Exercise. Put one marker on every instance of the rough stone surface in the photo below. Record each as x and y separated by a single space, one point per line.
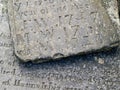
113 9
50 29
118 6
98 71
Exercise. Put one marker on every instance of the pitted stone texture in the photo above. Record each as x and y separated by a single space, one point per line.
50 29
118 3
113 9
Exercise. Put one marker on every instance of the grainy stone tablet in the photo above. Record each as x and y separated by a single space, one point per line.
50 29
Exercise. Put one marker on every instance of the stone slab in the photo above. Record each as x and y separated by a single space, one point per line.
76 73
51 29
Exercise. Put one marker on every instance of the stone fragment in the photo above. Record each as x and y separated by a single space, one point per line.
101 61
51 29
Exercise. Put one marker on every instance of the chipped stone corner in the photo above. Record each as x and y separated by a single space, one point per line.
113 9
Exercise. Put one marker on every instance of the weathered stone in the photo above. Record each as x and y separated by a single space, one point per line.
118 3
50 29
113 9
77 73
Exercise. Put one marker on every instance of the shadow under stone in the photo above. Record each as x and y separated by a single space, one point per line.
77 59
